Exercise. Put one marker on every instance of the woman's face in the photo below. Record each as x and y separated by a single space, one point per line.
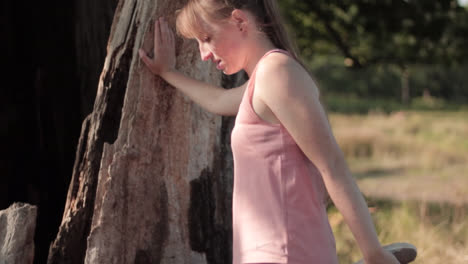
222 44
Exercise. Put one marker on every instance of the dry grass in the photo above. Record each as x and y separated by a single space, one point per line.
440 232
417 162
415 155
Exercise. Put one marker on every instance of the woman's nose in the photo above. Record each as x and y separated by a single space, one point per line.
204 52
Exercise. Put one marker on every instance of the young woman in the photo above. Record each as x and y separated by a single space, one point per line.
286 159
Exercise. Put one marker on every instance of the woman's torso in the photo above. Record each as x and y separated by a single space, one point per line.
279 212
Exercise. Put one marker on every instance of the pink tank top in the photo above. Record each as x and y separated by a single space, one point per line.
279 211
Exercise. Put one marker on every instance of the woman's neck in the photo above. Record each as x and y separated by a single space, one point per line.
255 51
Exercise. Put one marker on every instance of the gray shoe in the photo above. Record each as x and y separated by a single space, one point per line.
404 252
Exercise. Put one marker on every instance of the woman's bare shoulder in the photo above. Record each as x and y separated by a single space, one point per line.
282 74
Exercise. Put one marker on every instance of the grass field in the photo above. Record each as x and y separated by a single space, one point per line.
413 168
439 231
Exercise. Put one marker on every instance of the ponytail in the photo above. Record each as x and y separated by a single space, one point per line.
275 28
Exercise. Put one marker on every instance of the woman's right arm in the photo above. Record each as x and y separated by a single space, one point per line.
213 98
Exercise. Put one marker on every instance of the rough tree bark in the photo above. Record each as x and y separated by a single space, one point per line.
92 22
17 224
151 182
405 86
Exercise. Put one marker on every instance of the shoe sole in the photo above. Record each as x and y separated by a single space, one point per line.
404 252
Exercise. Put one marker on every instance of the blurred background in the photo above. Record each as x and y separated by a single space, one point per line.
394 79
393 76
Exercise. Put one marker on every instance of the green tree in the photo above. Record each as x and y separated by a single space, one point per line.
401 33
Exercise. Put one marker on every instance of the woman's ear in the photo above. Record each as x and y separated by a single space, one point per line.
240 19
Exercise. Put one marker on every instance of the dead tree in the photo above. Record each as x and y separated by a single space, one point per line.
152 176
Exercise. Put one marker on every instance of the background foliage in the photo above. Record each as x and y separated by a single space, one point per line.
393 75
377 48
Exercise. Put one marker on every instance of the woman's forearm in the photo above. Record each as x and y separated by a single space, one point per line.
348 199
204 94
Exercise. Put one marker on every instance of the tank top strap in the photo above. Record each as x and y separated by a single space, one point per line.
251 84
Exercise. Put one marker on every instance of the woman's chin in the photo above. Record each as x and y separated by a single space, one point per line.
228 72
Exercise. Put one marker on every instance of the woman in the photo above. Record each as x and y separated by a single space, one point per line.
286 159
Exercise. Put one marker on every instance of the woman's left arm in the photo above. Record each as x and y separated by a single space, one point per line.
286 88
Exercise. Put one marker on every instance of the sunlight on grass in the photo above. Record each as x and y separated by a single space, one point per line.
439 231
413 166
417 155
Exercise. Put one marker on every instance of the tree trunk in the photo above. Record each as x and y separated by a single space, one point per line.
17 224
151 182
93 20
405 88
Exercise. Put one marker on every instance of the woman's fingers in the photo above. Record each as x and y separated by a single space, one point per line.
147 60
162 34
166 32
171 36
163 28
163 49
167 38
157 34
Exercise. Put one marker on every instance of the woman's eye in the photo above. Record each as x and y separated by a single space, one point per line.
206 39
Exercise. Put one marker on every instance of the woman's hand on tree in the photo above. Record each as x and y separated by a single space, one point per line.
164 58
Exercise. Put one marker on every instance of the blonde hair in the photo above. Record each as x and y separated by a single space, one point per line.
266 12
